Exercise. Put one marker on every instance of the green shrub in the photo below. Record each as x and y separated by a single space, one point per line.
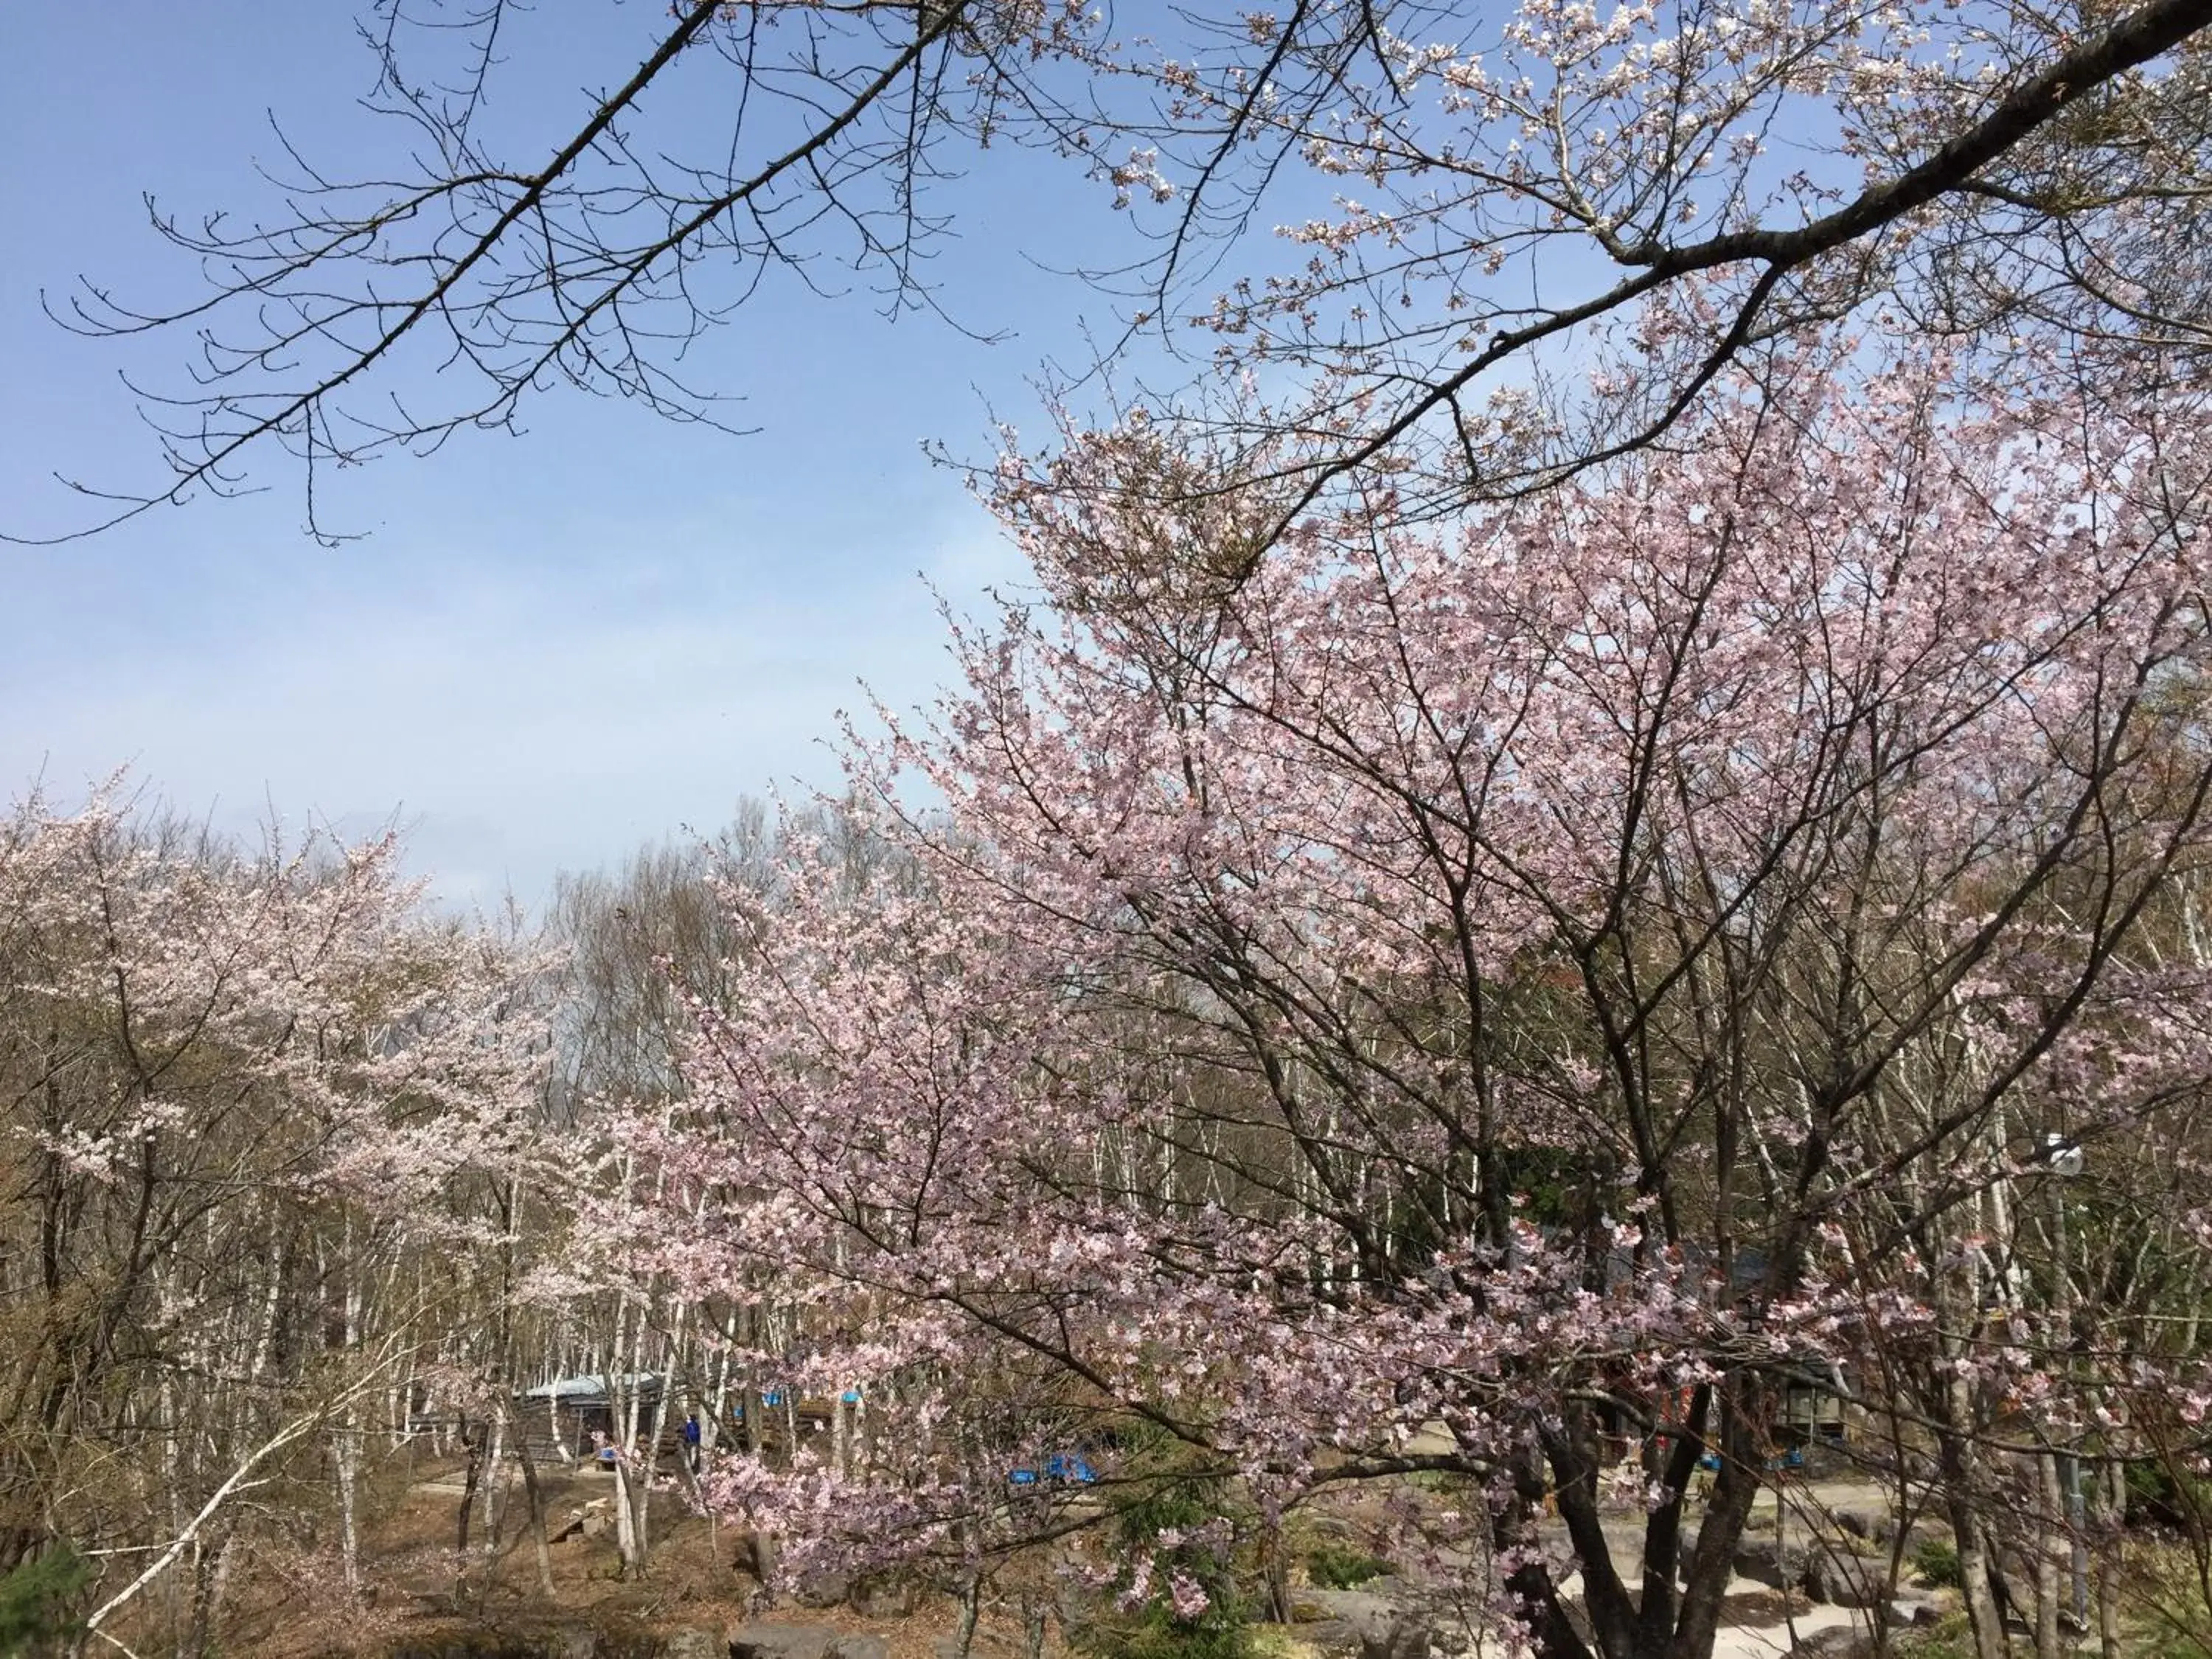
1171 1498
2161 1496
1333 1566
38 1613
1936 1561
1154 1632
1951 1637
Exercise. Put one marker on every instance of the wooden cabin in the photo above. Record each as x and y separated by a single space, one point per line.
573 1417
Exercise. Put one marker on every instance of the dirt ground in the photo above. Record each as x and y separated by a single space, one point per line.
287 1609
281 1607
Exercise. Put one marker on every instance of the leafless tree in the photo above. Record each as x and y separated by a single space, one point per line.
1478 207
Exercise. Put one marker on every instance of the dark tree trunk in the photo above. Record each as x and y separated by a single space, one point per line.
472 1440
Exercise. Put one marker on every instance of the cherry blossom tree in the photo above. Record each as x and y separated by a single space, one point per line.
252 1099
642 948
1559 979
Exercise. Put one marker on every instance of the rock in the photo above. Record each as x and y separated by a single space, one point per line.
1365 1608
823 1590
1874 1526
572 1527
1373 1621
695 1642
1403 1638
1332 1636
771 1641
1908 1611
983 1646
859 1647
1842 1581
884 1597
1836 1642
626 1641
1765 1562
560 1642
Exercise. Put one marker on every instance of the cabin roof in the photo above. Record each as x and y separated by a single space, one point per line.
593 1389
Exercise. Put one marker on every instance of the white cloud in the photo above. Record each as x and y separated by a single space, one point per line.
521 717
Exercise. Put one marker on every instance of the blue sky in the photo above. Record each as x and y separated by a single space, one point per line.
548 649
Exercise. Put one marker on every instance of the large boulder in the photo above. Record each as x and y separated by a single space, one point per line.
1909 1611
1874 1526
823 1590
1845 1581
1406 1637
859 1647
1380 1617
1844 1641
695 1642
765 1640
885 1596
1337 1639
555 1642
1765 1562
1365 1607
